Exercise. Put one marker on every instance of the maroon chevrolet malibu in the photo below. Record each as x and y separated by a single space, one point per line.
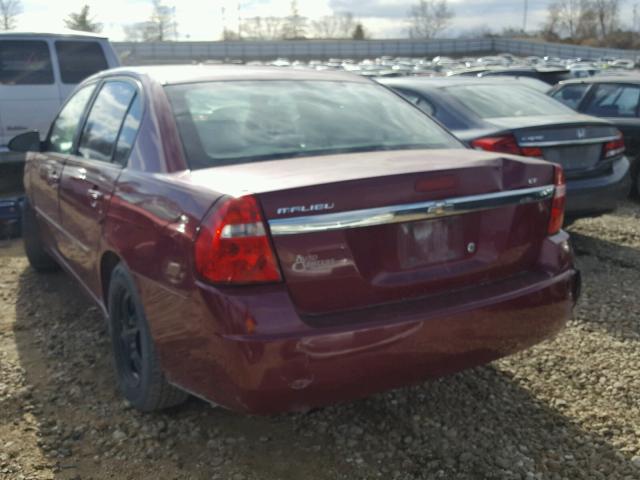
274 240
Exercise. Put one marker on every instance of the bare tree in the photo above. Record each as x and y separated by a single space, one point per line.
570 15
295 26
82 21
607 15
583 19
163 20
339 25
428 18
550 29
262 28
160 27
9 11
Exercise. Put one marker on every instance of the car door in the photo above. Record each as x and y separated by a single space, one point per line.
48 165
29 96
620 104
91 172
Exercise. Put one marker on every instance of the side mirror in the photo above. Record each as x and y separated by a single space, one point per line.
26 142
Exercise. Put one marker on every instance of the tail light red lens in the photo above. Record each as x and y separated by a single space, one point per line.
614 148
558 203
233 247
532 152
506 144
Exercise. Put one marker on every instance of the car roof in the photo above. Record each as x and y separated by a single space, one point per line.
629 78
181 74
52 34
440 82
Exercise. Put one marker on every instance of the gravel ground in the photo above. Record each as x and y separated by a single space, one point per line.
567 409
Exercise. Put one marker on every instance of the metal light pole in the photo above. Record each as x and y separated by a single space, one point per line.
526 13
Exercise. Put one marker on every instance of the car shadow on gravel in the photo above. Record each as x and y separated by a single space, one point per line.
479 424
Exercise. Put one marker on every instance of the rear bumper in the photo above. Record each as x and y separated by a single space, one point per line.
291 365
595 196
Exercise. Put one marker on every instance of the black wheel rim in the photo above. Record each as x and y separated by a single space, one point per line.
127 340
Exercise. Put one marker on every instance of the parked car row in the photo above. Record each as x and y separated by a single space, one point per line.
548 69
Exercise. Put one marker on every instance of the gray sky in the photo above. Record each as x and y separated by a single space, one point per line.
203 19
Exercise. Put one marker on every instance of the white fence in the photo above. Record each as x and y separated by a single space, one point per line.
189 52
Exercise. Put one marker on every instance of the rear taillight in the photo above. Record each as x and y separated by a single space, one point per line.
233 247
614 148
505 144
558 203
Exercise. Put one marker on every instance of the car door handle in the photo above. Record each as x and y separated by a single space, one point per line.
51 175
79 174
95 196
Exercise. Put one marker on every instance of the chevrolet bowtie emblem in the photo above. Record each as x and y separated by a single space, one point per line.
440 208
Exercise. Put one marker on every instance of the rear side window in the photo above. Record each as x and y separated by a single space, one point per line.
79 60
66 124
571 95
103 123
612 100
25 62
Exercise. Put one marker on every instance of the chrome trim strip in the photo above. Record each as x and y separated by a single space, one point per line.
563 143
407 213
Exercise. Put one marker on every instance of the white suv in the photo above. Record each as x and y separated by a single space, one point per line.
39 70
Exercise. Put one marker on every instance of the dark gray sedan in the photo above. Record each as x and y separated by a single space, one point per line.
504 116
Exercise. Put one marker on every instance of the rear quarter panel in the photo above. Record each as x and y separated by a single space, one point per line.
150 226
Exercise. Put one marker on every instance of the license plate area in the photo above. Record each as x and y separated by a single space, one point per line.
574 157
432 242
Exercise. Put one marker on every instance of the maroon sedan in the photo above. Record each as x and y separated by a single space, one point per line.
277 240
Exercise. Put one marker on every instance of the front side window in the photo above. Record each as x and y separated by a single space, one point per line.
66 124
572 95
495 101
101 129
25 62
225 123
79 60
612 100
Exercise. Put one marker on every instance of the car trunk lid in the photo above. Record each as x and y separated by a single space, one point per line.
364 229
575 143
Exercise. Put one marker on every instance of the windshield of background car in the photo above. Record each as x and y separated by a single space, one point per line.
503 100
224 123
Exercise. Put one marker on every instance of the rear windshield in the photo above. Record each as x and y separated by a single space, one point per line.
224 123
503 100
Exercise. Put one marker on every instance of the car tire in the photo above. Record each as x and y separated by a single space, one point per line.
139 375
39 259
